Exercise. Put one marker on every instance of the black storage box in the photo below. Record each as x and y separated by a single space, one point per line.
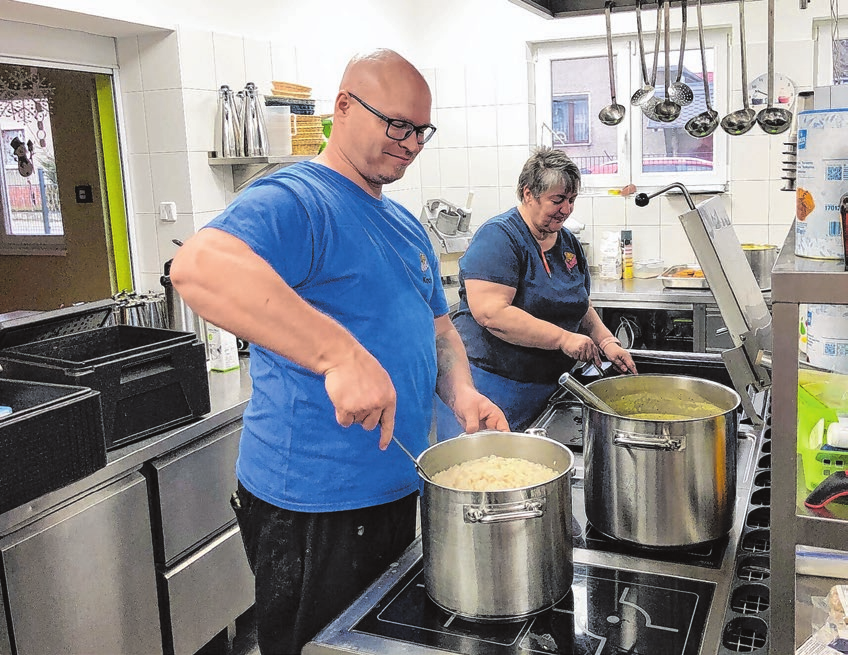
150 379
53 437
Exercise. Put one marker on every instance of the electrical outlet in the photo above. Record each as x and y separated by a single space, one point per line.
168 212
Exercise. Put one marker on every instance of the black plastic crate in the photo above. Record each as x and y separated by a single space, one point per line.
150 379
53 437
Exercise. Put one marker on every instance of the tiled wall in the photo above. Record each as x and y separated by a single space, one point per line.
483 111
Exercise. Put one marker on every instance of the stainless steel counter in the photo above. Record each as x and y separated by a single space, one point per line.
229 393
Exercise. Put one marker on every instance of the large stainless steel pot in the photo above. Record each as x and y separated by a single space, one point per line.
661 483
761 258
497 555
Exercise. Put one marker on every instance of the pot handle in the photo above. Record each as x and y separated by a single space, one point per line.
648 441
528 509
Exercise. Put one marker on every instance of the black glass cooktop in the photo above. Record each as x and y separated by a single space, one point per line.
607 612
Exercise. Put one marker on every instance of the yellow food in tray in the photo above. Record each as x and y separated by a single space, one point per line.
688 272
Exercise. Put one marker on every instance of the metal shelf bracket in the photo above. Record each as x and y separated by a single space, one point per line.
247 169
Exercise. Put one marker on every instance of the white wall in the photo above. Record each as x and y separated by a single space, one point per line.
475 55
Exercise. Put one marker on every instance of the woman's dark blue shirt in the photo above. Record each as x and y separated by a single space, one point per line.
505 252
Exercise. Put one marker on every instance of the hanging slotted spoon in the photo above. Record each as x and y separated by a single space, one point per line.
773 120
648 89
741 120
679 91
613 113
667 110
705 123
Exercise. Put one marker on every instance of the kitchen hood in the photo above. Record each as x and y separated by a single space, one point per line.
565 8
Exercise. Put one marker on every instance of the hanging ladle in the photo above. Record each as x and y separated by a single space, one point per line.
773 120
584 395
705 123
613 113
741 120
679 91
667 110
648 89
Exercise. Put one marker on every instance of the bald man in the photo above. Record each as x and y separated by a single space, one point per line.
338 291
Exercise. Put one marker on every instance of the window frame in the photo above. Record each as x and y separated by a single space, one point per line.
628 76
823 45
587 97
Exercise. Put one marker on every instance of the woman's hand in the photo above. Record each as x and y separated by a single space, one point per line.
580 347
620 357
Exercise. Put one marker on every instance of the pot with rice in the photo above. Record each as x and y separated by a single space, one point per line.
496 524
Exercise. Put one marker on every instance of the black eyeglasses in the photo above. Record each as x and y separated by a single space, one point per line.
397 129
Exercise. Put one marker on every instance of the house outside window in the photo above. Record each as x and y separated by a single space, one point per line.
639 150
571 118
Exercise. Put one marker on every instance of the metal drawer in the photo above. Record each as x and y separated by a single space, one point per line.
716 342
191 492
206 592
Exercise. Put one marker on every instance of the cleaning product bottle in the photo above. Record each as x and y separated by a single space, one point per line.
627 254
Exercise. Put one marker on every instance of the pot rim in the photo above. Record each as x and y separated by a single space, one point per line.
482 434
602 381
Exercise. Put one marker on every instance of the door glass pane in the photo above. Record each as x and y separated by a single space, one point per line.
579 89
668 147
30 193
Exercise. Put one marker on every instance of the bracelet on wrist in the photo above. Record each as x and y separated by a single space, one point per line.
605 342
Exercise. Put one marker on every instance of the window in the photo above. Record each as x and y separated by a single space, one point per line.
831 39
641 150
29 191
571 118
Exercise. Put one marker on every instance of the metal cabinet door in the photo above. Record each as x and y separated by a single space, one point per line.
83 580
192 488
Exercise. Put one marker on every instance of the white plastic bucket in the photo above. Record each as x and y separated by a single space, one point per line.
827 337
822 183
281 128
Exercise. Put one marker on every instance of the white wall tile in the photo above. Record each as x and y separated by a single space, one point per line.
141 184
487 203
202 219
750 156
507 197
146 244
513 125
197 56
428 163
481 84
511 160
646 242
452 127
160 61
283 62
201 108
794 59
453 164
482 126
207 184
643 216
171 181
429 75
148 281
135 122
129 63
512 86
450 86
608 211
258 64
166 121
671 208
676 248
454 195
483 167
749 202
777 233
781 205
181 230
584 211
229 61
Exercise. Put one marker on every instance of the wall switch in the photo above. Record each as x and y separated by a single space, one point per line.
168 212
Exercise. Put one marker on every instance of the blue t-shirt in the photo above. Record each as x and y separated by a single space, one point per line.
504 251
369 265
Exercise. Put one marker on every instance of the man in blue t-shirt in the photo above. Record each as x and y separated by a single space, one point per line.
337 289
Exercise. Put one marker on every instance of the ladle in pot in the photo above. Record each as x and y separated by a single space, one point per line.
585 396
773 120
741 120
648 89
418 468
679 91
613 113
705 123
667 110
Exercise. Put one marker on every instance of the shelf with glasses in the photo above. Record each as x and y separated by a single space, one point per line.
247 169
795 281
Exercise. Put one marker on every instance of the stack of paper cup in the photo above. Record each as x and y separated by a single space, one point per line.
281 127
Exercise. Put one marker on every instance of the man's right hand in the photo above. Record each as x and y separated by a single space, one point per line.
362 392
